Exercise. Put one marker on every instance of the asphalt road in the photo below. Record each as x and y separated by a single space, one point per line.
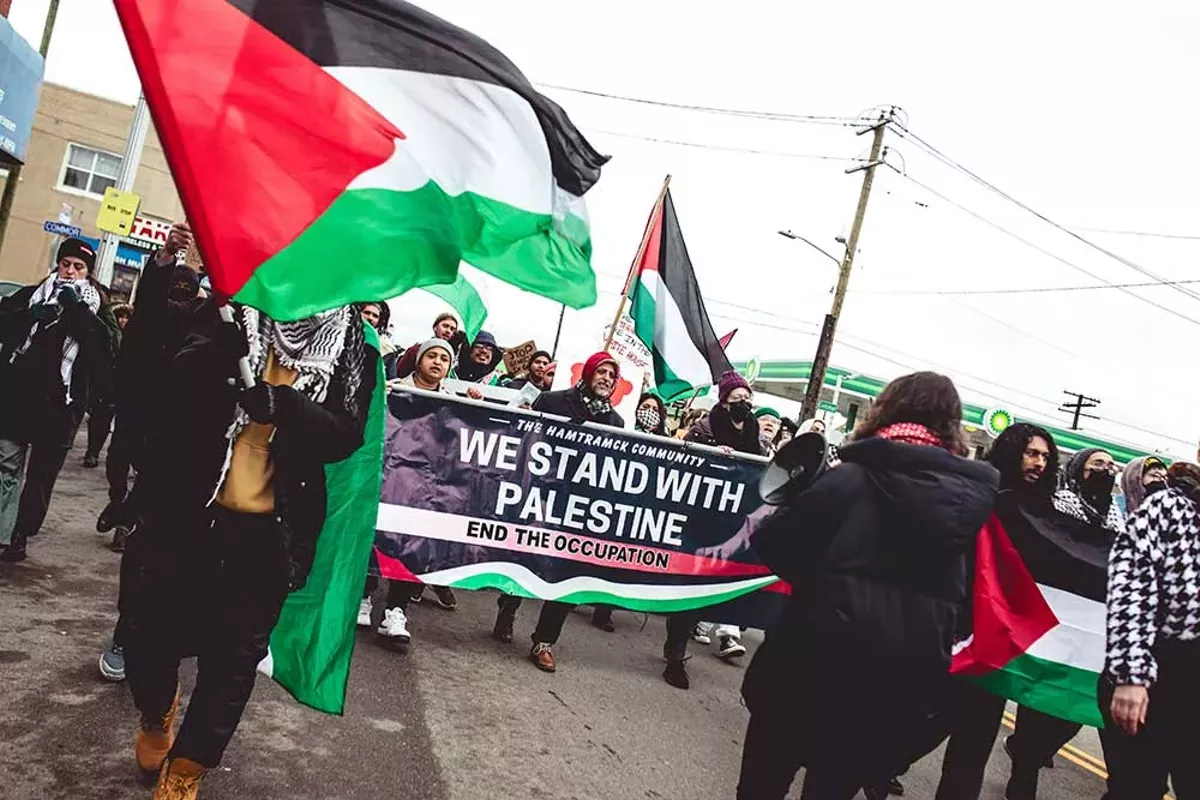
456 717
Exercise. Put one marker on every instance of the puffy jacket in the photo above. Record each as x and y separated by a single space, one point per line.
877 553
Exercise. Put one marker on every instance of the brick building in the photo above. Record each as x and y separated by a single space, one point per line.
74 154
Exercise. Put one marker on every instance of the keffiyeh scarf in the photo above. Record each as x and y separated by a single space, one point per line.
47 294
910 433
594 404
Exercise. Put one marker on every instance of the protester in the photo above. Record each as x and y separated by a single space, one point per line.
378 315
690 418
534 373
1086 497
730 426
115 317
477 363
445 327
434 358
649 417
52 347
232 505
853 679
1149 692
787 432
811 426
1141 478
590 400
1026 457
769 421
1086 494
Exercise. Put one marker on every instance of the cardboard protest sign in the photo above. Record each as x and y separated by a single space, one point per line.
516 359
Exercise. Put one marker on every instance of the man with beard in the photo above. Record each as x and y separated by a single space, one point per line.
1026 457
232 504
445 327
52 348
590 400
535 373
477 363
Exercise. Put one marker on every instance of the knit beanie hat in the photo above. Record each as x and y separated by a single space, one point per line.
77 248
593 363
430 344
730 381
766 411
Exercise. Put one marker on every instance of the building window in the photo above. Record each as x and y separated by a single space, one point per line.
89 171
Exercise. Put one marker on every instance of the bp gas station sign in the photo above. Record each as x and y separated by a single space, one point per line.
996 421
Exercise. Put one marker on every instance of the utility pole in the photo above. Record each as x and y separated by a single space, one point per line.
816 378
1080 403
130 161
14 174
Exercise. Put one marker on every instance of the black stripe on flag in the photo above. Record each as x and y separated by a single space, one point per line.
392 34
1058 551
676 273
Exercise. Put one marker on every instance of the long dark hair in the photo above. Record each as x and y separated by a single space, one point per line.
1008 452
924 398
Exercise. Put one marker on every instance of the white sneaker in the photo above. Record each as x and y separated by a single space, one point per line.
731 648
364 613
701 631
395 625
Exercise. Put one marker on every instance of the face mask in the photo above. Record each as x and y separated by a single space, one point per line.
1098 484
647 419
741 411
1155 486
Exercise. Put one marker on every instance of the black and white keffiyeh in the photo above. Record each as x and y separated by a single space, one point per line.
311 347
47 295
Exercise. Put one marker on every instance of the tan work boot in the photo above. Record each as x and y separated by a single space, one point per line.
179 780
154 739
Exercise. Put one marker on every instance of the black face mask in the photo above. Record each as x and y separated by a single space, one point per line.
1155 486
1098 485
741 411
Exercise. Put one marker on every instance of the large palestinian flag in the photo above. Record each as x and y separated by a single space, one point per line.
668 310
328 152
1038 615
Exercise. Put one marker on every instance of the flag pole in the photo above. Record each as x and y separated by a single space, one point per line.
637 259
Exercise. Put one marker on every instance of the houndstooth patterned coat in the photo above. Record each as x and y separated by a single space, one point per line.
1153 585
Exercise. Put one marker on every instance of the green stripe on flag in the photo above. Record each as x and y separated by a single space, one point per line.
1051 687
314 638
416 239
463 298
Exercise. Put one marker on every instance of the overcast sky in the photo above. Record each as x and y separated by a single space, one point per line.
1088 115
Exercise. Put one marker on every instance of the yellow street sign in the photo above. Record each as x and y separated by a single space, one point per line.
117 211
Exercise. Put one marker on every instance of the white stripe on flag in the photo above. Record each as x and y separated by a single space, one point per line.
671 338
463 135
1078 638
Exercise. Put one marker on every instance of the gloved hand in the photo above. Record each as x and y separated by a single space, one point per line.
44 312
259 402
68 295
230 341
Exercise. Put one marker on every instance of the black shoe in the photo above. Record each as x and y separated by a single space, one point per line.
120 536
13 554
1022 785
444 598
895 787
109 518
602 619
90 461
676 674
503 630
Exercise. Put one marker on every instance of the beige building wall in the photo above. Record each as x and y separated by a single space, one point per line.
65 116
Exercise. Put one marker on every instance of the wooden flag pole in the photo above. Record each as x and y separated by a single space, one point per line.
637 260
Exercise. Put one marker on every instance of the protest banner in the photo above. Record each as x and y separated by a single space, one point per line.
475 496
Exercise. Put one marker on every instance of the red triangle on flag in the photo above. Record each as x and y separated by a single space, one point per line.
1009 611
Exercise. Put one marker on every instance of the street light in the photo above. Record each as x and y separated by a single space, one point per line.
822 251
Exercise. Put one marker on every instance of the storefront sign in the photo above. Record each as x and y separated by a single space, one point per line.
21 69
148 232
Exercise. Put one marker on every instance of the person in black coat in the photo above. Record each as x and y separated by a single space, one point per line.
851 683
53 348
590 400
232 501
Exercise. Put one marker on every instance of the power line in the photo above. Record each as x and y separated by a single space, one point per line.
1151 234
1043 250
905 133
778 116
1026 290
725 148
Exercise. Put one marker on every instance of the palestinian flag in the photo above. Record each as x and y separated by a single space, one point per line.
1038 613
464 298
668 309
329 152
310 648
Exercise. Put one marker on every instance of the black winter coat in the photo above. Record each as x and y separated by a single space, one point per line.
33 399
877 553
185 459
716 430
567 403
